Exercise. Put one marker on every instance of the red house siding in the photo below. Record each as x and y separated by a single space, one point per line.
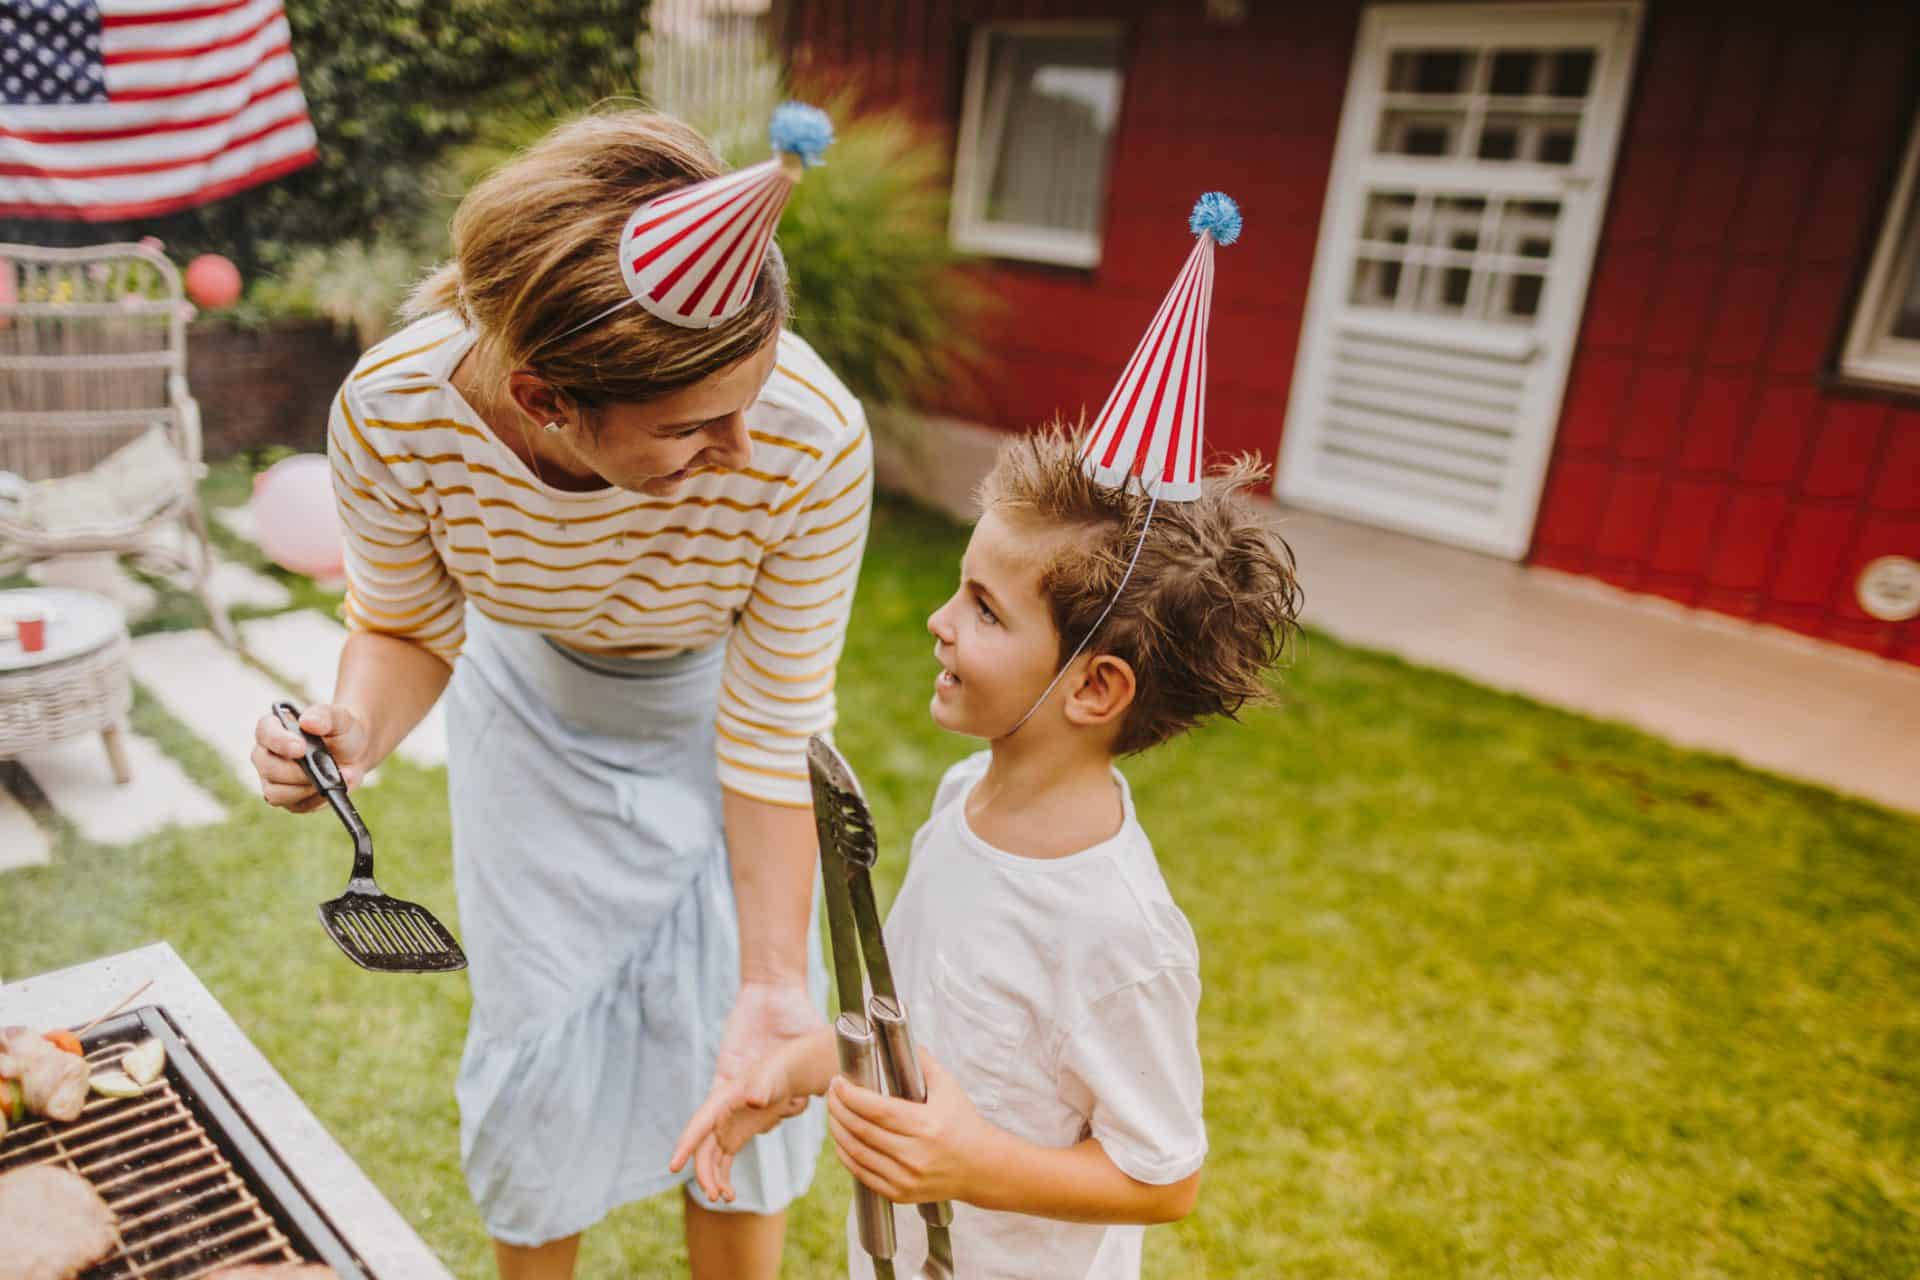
1700 455
1268 141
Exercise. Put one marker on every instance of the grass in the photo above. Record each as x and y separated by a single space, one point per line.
1491 990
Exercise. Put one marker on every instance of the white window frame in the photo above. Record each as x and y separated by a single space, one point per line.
967 228
1872 353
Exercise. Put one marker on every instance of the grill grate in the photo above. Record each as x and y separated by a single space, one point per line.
183 1208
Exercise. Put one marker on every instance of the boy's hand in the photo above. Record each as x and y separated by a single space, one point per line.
909 1152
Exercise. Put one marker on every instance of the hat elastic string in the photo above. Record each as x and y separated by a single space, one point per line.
1153 501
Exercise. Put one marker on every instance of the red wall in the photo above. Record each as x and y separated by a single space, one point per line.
1267 141
1699 456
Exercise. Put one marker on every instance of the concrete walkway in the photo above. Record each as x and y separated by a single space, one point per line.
304 647
215 693
1769 698
191 673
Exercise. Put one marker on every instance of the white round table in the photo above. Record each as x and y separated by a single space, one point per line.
77 683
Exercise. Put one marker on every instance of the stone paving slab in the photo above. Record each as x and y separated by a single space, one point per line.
237 584
101 573
233 583
75 777
304 646
22 842
238 521
210 689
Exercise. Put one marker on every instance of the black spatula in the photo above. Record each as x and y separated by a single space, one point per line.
389 935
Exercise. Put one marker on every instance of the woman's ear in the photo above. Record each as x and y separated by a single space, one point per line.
1102 693
538 399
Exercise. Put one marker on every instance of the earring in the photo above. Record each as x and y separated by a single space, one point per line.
555 427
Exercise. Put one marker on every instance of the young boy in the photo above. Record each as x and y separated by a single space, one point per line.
1051 980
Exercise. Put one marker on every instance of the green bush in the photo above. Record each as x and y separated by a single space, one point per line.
359 283
415 101
877 286
878 289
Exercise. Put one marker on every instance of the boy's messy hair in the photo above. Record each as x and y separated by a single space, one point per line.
1212 602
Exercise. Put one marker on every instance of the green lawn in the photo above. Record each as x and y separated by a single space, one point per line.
1491 990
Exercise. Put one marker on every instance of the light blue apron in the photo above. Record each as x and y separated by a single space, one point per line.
598 918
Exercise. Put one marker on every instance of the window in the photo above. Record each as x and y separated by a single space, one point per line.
1516 106
1471 257
1883 345
1036 133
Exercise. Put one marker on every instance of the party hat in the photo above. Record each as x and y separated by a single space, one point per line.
1152 429
691 256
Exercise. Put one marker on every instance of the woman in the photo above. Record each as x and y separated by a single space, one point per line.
638 527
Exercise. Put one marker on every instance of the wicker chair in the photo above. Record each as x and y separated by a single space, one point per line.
93 357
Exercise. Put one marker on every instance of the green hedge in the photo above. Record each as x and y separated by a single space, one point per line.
391 85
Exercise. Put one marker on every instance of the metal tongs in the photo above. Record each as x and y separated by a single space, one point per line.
875 1044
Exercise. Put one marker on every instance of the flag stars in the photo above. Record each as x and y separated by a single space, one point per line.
52 47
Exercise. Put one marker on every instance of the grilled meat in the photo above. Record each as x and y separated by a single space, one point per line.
53 1080
53 1222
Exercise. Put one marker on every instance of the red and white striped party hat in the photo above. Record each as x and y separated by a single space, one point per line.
691 256
1152 430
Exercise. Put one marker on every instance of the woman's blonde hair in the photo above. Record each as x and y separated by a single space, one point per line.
535 247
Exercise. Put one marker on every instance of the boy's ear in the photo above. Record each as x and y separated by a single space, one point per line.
1102 693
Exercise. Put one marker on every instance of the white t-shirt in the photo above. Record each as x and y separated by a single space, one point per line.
1062 994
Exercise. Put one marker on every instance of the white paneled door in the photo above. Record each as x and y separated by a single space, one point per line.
1474 155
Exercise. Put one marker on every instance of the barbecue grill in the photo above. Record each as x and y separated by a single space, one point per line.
240 1079
193 1188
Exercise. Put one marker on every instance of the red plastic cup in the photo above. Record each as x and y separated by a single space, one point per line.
33 632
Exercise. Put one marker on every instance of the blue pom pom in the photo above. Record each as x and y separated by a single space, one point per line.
802 130
1215 214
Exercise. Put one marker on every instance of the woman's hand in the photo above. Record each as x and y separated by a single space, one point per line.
277 751
727 1121
754 1080
912 1152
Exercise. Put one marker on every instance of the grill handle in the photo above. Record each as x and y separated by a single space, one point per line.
872 1212
325 773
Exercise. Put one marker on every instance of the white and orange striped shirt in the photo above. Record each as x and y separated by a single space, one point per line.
438 514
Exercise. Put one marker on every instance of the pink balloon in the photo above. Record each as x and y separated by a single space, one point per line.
294 518
212 281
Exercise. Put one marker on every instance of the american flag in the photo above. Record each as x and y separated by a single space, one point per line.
119 109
